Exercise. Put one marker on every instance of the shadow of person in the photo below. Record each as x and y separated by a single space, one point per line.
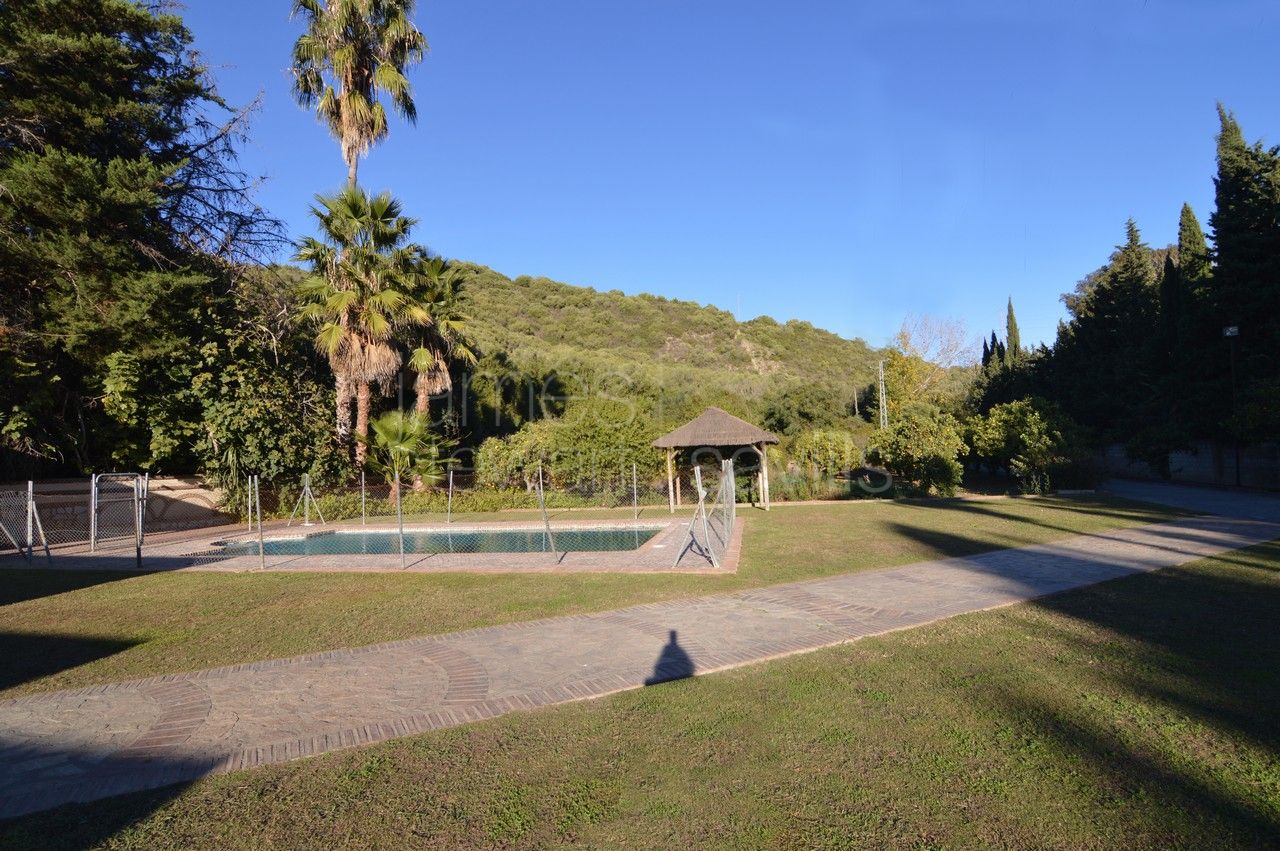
673 663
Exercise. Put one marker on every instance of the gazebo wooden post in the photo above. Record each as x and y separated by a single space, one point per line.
764 474
671 481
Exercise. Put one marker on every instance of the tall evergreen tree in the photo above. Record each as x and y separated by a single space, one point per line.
1172 304
1193 252
1012 338
120 197
1103 359
1245 285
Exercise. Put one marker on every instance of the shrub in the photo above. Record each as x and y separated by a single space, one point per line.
920 449
1034 441
597 438
826 450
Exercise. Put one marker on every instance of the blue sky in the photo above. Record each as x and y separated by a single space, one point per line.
842 163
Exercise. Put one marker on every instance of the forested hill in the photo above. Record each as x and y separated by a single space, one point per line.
655 340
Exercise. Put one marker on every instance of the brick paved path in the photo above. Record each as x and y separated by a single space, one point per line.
89 743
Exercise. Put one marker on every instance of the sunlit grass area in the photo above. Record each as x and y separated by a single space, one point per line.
61 630
1141 713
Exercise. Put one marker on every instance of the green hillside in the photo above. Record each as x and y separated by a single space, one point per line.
681 352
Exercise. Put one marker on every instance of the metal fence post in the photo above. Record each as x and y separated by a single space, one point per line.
306 503
257 498
635 493
137 521
448 510
146 496
248 496
31 513
400 518
364 517
548 540
93 512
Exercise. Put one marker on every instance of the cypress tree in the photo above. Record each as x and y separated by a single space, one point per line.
1193 251
986 353
1173 304
1244 289
1013 339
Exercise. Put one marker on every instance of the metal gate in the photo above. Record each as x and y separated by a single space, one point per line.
117 510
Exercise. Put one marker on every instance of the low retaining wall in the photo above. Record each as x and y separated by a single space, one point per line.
1207 463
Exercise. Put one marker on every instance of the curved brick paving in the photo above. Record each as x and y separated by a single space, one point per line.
93 742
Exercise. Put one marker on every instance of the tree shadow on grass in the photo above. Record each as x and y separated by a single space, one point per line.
1125 510
18 584
28 656
1195 642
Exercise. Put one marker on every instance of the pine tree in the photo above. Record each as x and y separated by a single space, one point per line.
1013 339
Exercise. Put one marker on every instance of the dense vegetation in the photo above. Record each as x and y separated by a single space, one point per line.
141 326
1145 358
140 331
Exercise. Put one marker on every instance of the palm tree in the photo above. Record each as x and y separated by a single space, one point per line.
352 52
438 293
403 447
359 296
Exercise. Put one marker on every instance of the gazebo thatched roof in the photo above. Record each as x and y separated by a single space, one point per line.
714 427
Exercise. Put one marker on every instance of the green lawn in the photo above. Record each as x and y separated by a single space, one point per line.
1141 713
62 630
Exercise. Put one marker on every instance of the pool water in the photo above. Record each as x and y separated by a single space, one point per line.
449 541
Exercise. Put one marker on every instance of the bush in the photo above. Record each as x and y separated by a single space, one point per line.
597 438
1034 441
920 449
826 451
793 409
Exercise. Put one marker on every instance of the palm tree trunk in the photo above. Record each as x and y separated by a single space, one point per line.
343 419
363 399
421 394
352 164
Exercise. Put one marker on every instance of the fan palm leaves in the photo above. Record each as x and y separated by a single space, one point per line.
404 447
351 54
443 337
359 295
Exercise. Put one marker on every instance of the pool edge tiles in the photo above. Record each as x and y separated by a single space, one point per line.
523 539
202 552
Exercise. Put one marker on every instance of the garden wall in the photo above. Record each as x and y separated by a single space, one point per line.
1208 463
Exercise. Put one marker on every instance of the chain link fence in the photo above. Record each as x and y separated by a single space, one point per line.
611 512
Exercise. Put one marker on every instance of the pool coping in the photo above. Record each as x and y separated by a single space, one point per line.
200 553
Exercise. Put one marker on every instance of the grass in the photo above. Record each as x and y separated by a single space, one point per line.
64 630
1140 713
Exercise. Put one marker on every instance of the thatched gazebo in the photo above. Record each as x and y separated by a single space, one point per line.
718 430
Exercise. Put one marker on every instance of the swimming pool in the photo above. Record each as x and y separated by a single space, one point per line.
450 541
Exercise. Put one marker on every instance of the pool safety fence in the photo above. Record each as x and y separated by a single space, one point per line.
710 528
124 514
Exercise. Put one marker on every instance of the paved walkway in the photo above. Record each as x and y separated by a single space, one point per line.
1202 500
90 743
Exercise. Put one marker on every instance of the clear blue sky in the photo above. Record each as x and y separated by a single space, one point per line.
843 163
